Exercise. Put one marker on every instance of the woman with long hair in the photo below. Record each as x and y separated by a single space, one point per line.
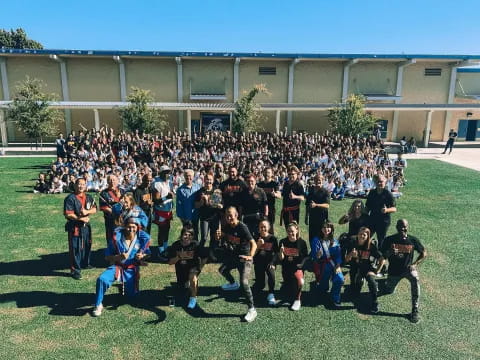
363 257
293 253
327 261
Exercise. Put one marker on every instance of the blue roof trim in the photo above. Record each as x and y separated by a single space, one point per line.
233 54
472 70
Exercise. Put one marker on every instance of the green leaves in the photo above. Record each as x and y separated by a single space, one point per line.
139 116
246 115
17 39
351 119
30 110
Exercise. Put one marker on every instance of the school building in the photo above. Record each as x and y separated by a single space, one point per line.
423 96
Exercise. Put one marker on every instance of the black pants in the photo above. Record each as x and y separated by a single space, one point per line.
449 144
314 226
289 216
109 228
356 282
379 228
244 269
252 224
79 248
262 268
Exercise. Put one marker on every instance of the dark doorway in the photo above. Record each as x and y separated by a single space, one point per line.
471 130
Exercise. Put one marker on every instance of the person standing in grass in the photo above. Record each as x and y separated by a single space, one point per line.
293 254
327 262
399 250
108 199
240 248
126 251
77 210
265 259
292 193
270 186
185 255
316 207
364 257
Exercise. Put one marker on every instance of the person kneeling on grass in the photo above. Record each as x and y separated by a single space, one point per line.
126 251
363 255
399 250
185 255
327 261
293 254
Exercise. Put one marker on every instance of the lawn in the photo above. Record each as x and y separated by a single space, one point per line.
44 313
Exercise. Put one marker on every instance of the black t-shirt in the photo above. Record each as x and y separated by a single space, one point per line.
232 192
400 252
266 252
375 203
269 188
366 259
254 202
320 196
295 252
206 211
142 196
296 188
237 239
354 225
189 255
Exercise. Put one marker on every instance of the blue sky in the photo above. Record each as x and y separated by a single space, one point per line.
337 26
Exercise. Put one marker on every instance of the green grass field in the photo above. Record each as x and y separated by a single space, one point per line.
44 313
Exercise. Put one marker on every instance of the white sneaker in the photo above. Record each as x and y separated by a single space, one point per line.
230 287
192 303
271 299
97 311
250 315
296 305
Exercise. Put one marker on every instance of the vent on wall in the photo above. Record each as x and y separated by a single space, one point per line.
267 70
433 72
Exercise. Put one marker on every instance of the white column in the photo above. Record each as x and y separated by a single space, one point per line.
428 126
3 129
96 119
236 72
277 122
398 92
178 60
291 78
6 96
346 74
451 97
65 92
189 122
122 77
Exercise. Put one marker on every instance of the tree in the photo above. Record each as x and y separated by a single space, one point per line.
31 111
351 119
246 115
17 39
139 116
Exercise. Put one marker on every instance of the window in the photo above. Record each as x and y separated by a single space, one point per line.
267 70
433 72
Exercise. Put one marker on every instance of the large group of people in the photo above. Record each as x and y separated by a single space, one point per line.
230 218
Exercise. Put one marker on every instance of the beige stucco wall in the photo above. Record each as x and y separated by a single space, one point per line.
419 89
41 68
277 84
311 121
158 76
317 82
93 79
1 89
208 76
373 78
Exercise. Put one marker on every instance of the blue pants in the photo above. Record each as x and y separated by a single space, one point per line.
337 282
107 278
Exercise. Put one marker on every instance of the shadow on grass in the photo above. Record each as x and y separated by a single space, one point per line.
48 265
80 304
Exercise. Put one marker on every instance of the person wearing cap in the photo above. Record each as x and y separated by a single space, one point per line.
399 250
77 210
162 207
125 252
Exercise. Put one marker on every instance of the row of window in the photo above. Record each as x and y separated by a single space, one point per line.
272 70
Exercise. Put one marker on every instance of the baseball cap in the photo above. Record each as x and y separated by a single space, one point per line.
164 168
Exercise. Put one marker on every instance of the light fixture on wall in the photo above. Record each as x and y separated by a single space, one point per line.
469 115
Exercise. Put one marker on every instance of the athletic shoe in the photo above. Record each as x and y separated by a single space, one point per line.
192 303
414 318
230 287
337 303
97 311
271 299
77 276
250 315
297 304
374 308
